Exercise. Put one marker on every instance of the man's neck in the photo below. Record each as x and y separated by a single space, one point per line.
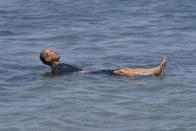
55 63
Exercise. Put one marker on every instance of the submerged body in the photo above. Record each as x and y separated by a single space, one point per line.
63 68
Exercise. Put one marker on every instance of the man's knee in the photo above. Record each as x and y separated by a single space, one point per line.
119 71
122 71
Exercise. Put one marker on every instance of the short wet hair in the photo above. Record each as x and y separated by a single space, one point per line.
43 56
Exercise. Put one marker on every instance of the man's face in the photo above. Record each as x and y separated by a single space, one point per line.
51 55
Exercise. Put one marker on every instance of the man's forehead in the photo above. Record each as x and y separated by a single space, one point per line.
46 50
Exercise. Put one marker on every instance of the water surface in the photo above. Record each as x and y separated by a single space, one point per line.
98 34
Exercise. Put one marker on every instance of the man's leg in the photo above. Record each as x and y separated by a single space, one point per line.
142 72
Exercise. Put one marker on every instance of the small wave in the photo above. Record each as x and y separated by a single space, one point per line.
6 33
5 11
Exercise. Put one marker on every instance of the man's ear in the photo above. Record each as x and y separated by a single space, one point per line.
47 59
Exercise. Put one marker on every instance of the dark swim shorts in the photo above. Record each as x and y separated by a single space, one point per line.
110 72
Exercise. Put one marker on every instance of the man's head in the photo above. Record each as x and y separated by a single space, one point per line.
49 56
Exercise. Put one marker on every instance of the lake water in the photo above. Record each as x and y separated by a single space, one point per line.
93 35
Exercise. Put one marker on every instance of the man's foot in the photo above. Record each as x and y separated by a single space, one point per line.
160 69
163 63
